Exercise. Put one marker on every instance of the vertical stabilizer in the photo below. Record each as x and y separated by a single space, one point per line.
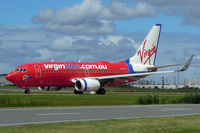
146 54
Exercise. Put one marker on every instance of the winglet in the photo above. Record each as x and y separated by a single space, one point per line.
185 67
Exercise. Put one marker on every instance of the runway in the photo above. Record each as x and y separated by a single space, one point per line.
23 116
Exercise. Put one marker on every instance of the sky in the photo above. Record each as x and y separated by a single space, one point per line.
93 30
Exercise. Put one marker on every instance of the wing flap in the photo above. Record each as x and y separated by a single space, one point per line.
135 75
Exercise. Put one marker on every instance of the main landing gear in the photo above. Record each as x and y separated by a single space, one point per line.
78 92
101 91
27 91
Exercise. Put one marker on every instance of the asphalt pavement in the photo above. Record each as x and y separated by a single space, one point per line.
23 116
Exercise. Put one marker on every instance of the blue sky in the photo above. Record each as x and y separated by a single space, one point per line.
35 30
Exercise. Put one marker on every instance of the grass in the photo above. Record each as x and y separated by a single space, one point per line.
180 124
65 98
69 99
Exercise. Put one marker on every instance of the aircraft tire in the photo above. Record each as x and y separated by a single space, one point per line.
59 88
27 91
101 91
78 92
48 88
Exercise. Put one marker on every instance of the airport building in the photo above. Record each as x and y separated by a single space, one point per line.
163 84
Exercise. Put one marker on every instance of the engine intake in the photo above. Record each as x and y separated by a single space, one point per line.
87 84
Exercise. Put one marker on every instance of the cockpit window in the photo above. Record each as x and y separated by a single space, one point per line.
21 70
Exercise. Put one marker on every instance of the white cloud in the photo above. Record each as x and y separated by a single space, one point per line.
63 43
90 16
111 39
188 9
115 39
85 38
45 55
197 57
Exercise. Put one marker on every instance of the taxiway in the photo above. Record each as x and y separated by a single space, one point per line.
23 116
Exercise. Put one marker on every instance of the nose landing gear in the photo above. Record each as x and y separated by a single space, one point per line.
27 91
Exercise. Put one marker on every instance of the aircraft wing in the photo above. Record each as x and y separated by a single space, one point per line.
3 74
144 74
136 76
133 76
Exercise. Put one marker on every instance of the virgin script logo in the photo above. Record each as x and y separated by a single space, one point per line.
145 55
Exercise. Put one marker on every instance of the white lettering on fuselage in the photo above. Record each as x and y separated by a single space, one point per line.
94 67
73 66
55 66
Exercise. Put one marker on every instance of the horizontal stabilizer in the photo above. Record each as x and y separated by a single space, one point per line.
163 66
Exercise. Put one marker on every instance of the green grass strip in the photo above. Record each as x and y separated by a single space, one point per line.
181 124
70 99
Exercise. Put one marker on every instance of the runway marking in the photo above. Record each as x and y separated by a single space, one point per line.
175 109
45 122
60 114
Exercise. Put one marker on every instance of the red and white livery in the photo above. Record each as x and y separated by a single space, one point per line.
93 76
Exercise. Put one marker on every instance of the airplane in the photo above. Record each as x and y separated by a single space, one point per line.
84 76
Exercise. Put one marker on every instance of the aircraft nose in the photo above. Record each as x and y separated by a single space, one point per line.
10 77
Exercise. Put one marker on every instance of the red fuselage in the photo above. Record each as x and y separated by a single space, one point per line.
61 74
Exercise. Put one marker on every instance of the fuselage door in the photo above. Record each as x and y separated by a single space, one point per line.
86 72
37 71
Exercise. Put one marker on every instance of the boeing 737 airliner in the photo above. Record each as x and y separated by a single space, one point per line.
94 76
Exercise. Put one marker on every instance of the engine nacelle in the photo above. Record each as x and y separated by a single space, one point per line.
87 84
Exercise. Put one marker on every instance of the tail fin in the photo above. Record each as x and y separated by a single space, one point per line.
146 54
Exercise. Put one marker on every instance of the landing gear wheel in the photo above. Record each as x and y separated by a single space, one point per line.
78 92
27 91
48 88
101 91
58 89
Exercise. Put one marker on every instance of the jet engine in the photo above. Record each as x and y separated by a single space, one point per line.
86 84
